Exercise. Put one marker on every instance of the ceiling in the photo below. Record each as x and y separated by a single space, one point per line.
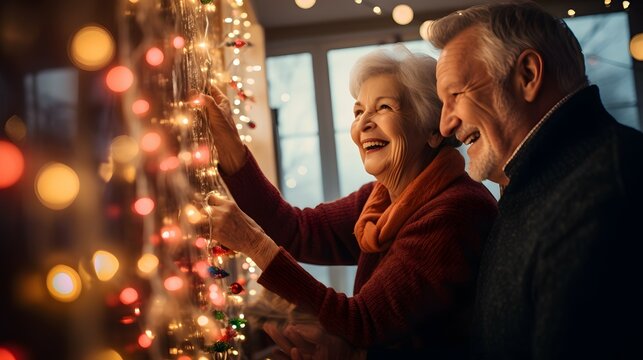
285 13
284 20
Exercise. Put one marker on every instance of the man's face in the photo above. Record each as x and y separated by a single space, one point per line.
473 109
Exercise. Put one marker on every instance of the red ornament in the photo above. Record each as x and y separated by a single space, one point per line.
238 43
219 250
236 288
251 124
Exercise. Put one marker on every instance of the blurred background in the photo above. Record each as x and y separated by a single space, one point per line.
53 110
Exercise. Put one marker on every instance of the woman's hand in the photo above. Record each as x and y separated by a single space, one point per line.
235 230
309 341
231 151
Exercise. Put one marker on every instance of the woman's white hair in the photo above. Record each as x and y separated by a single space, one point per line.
415 73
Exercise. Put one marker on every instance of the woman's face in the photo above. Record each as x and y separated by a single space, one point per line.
391 146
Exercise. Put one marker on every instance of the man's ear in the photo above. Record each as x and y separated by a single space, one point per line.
529 74
435 139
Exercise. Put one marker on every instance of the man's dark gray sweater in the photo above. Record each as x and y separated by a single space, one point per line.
562 271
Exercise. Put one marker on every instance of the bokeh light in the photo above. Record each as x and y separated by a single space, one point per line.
140 107
56 185
144 206
124 149
636 46
148 263
119 79
13 164
151 141
173 283
6 354
402 14
105 264
107 354
305 4
92 47
128 296
424 29
169 163
171 233
144 341
202 320
192 213
178 42
15 128
63 283
154 56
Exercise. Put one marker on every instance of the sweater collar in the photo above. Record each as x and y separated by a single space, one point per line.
381 220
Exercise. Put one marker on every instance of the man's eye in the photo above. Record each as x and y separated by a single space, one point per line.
358 112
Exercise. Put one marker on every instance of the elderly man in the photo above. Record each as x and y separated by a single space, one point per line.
561 274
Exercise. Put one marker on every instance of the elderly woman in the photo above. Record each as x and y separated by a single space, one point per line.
415 233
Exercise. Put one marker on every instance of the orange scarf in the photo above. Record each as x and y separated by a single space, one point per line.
380 220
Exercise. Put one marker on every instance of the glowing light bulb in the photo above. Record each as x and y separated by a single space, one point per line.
105 264
193 215
626 4
402 14
202 320
148 263
305 4
377 10
57 186
140 107
178 42
636 46
154 56
13 164
171 233
144 341
128 296
424 29
124 149
5 354
151 141
571 12
169 163
200 242
15 128
63 283
144 206
107 354
173 283
119 79
91 48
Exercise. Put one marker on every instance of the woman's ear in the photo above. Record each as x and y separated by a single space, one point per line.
435 139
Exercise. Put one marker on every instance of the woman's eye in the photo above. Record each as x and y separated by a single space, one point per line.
358 112
385 107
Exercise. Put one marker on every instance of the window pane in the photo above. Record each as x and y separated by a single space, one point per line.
605 42
301 171
292 93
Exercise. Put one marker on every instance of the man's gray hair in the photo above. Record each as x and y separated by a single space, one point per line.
507 29
415 73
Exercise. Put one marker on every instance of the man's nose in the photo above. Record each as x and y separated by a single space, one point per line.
449 122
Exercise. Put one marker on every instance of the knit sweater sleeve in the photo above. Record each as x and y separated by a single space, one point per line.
416 282
320 235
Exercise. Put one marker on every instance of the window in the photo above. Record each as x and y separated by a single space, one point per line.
605 41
